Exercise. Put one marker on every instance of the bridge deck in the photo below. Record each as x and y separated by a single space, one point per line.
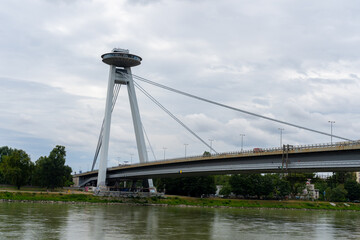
319 157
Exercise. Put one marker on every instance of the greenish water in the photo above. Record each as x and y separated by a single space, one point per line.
65 221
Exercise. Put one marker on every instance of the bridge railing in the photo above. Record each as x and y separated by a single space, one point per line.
264 150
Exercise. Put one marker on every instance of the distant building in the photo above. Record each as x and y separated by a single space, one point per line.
310 192
357 174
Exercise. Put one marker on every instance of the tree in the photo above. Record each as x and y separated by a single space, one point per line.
340 178
282 187
258 185
221 179
4 151
68 180
206 154
239 184
337 194
322 186
247 185
353 190
298 182
187 186
51 171
225 190
267 186
16 168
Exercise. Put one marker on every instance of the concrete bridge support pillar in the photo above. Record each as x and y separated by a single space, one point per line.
106 134
123 61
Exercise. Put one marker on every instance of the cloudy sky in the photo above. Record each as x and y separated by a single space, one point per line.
297 61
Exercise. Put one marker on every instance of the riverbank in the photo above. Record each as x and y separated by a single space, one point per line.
81 198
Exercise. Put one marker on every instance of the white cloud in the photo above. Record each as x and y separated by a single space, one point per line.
294 61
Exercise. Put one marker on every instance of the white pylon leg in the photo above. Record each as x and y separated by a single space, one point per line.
106 134
140 140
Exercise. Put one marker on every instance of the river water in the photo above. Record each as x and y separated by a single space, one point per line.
66 221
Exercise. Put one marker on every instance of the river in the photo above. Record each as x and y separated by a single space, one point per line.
67 221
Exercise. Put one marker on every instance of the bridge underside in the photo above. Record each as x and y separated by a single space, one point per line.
321 161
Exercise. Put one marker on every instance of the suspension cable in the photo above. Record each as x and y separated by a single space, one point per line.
235 109
147 138
171 115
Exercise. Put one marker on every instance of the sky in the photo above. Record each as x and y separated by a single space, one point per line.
296 61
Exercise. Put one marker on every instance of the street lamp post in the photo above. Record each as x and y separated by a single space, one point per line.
331 127
164 151
281 130
211 140
131 155
185 144
242 141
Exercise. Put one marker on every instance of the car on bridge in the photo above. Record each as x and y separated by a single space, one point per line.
257 150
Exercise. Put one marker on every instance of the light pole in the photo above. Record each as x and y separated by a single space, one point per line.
281 130
131 155
242 140
164 151
185 144
211 140
331 127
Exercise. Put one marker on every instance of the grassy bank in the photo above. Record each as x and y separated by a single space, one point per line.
242 203
54 196
23 188
175 201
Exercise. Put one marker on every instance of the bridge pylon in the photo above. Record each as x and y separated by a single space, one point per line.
121 61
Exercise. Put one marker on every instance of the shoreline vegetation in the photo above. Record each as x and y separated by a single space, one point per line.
71 197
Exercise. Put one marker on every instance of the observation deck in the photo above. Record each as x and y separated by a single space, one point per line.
121 59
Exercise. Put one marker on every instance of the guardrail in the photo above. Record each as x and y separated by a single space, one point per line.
265 150
259 150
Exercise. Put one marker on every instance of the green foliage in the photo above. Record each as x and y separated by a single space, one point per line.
277 186
341 186
51 171
353 190
16 168
187 186
282 187
4 151
337 194
340 178
177 201
260 186
267 184
298 182
239 184
225 190
221 179
206 154
321 185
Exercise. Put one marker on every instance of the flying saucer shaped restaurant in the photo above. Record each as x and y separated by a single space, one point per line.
121 59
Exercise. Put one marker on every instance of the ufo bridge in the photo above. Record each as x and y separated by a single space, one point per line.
340 156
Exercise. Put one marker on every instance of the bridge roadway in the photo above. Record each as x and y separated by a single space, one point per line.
343 156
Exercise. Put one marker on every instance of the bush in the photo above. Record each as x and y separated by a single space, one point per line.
337 194
353 190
